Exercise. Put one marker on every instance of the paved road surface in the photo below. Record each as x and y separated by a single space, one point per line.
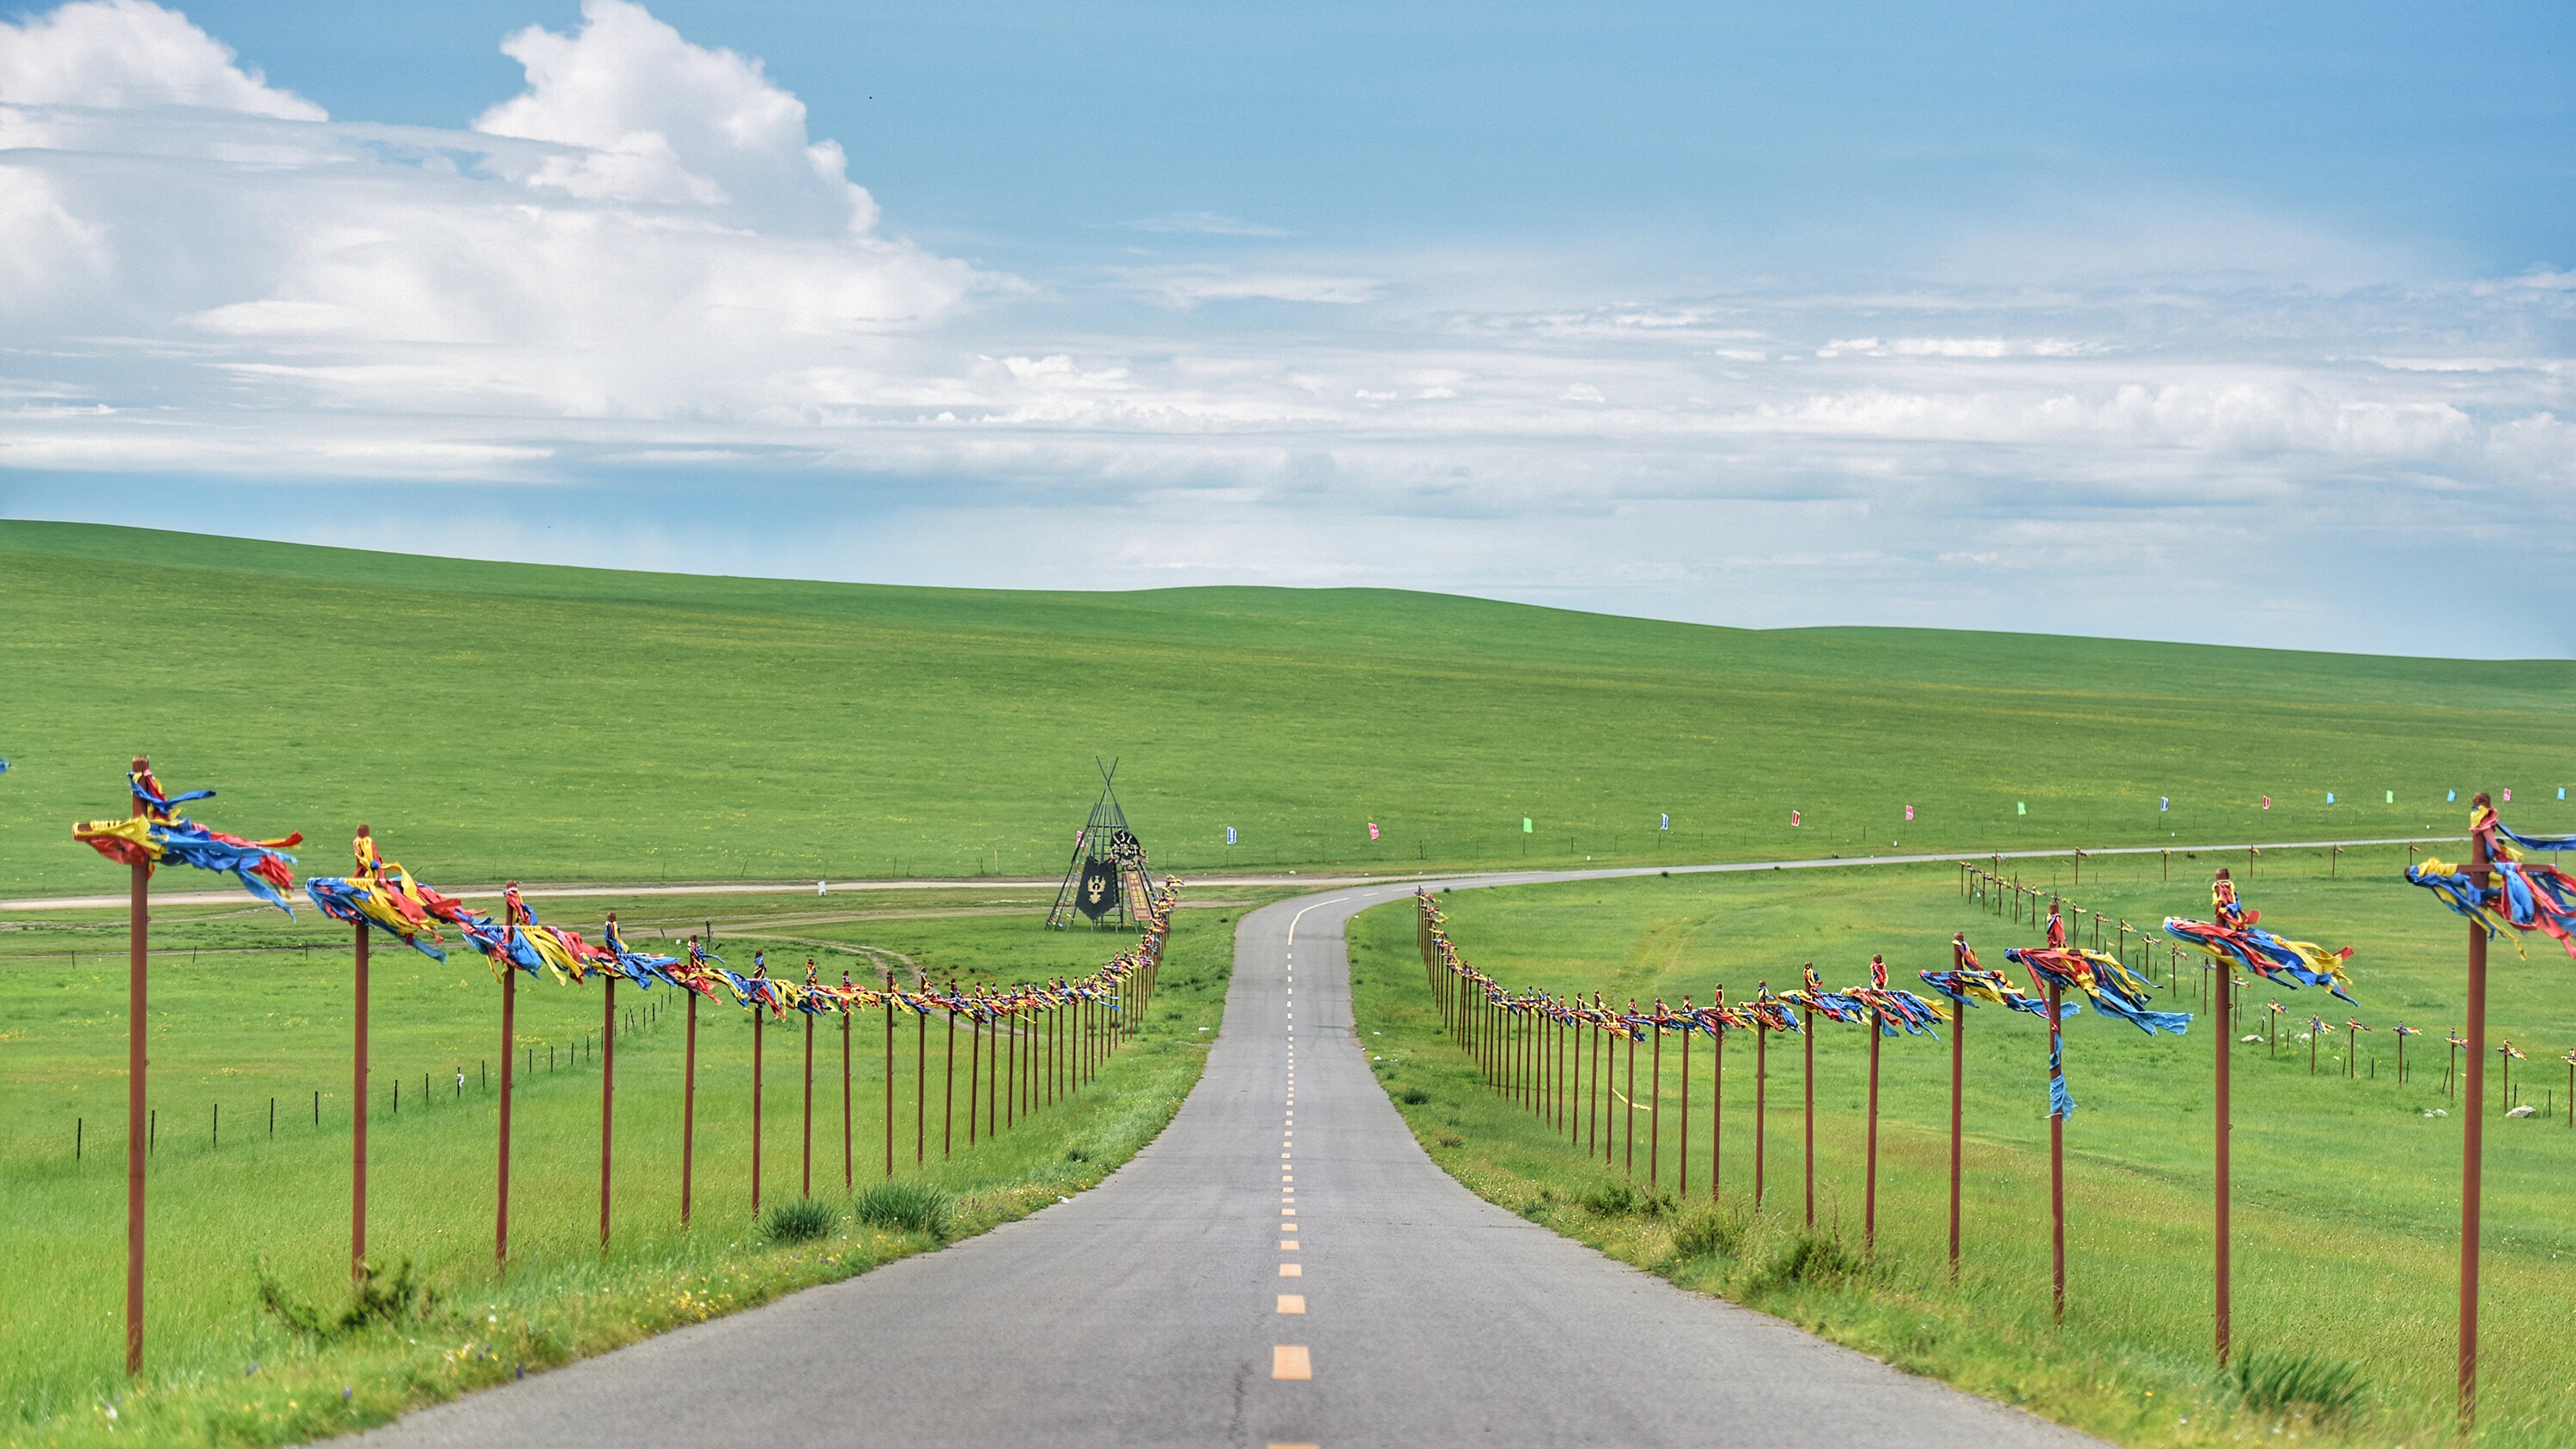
1154 1310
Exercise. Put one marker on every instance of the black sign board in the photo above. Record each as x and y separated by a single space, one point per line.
1097 893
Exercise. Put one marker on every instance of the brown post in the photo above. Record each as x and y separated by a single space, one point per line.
974 1073
920 1087
1958 1073
948 1110
1655 1113
756 1094
1761 1095
2226 1280
360 997
1592 1098
849 1173
689 1110
509 1054
607 1099
889 1076
1716 1101
1632 1105
1810 1035
1869 1173
806 1185
2473 1137
138 931
1681 1169
2056 1166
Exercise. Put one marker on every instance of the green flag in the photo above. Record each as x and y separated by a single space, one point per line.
2020 808
1525 825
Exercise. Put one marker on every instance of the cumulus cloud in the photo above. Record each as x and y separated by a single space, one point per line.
120 54
648 229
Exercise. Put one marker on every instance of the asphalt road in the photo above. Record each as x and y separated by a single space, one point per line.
1155 1309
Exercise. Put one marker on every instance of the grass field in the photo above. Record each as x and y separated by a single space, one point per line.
248 1009
493 719
2346 1192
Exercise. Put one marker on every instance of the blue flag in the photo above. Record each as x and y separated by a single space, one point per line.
1668 819
1229 835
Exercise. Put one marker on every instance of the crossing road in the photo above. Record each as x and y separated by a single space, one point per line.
1283 1266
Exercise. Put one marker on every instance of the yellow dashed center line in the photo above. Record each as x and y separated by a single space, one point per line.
1290 1361
1292 1302
1291 1270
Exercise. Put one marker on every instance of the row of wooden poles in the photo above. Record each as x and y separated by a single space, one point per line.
1538 1061
1034 1068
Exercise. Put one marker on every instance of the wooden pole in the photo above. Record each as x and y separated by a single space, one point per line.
920 1087
889 1076
360 997
948 1112
607 1100
1716 1105
2056 1165
1681 1170
1632 1106
1655 1114
805 1187
1810 1084
689 1110
1958 1075
2473 1139
974 1074
2224 1197
1761 1092
756 1095
509 1058
849 1172
138 932
1869 1174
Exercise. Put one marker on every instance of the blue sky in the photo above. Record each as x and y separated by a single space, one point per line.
2181 321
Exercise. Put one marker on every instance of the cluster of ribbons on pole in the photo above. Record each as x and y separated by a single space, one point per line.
152 833
1531 1046
2497 890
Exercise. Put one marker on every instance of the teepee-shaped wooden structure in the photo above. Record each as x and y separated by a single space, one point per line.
1105 883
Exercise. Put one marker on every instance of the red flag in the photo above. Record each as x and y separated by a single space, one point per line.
1372 830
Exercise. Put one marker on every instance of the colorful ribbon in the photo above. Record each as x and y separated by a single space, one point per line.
160 834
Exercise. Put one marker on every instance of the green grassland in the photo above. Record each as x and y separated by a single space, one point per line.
493 719
247 1009
2346 1192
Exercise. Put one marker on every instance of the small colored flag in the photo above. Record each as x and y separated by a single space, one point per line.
2267 802
1793 818
2450 794
2021 807
1909 812
1667 820
1229 835
1525 825
2330 797
2562 790
2392 797
2163 803
2508 797
1372 830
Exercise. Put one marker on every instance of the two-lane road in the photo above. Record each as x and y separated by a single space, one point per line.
1283 1266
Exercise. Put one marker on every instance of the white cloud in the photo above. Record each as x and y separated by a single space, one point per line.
1203 223
1186 286
647 230
119 54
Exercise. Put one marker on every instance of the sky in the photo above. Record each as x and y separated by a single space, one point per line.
2250 325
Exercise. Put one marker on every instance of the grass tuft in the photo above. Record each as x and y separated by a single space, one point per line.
1712 1231
914 1207
371 1301
801 1221
1414 1096
1807 1257
2309 1382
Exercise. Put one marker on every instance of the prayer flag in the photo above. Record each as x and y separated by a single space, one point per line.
1909 812
2450 795
2021 807
2392 797
2163 803
1229 835
1793 817
2330 797
1667 820
1372 830
2267 802
1525 825
2508 797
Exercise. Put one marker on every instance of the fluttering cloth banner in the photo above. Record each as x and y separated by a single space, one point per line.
161 834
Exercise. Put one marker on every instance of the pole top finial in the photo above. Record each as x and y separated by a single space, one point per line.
362 832
143 762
